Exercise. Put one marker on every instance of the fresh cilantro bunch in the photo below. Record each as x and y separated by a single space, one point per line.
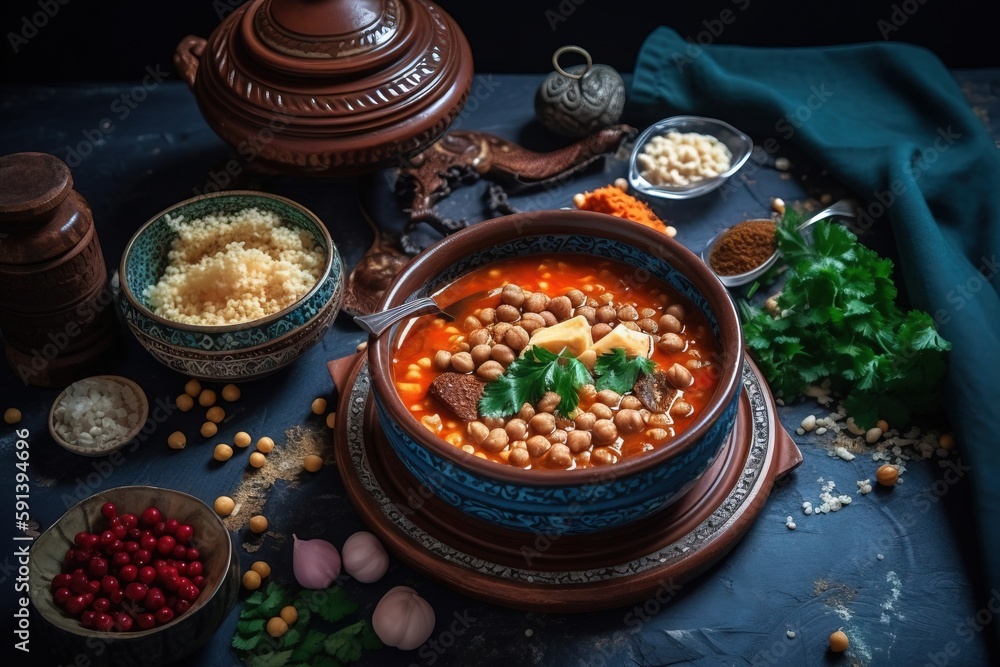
839 320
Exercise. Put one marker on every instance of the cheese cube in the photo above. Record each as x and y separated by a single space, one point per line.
573 335
635 343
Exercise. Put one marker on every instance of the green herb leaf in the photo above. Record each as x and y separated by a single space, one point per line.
528 378
242 643
277 597
292 637
346 644
310 646
332 604
304 613
277 659
254 599
324 661
251 626
618 373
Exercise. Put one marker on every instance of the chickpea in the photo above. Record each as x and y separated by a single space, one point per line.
584 422
648 325
670 342
192 388
558 436
659 419
519 458
176 440
496 440
265 445
608 398
601 411
578 441
480 353
276 627
257 460
542 423
549 318
629 421
312 463
262 569
464 347
657 434
537 445
600 330
222 452
576 298
488 315
593 303
516 429
588 314
603 456
526 412
606 314
508 313
561 307
480 337
681 409
503 354
442 360
679 376
500 330
670 324
549 402
241 439
628 314
209 429
206 398
583 458
512 295
490 370
887 475
605 432
630 403
536 303
184 402
224 506
531 321
289 614
215 414
559 456
477 432
462 362
494 422
251 580
607 298
647 313
677 310
587 392
516 338
258 524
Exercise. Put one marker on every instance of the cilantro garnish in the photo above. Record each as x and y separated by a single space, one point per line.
529 377
618 373
839 320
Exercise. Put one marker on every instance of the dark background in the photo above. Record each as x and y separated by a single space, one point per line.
113 39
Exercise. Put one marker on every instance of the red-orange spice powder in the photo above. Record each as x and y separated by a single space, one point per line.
743 247
614 201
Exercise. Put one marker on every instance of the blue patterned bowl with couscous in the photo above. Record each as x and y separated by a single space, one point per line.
231 285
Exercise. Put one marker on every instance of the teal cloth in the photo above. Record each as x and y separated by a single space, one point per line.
889 122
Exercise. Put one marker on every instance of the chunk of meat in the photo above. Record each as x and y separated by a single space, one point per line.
655 391
459 392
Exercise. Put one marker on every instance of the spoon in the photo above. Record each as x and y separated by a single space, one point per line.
377 323
841 209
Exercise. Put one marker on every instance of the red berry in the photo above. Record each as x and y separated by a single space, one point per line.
107 537
136 591
172 601
121 559
189 592
115 547
147 574
184 533
145 621
88 598
171 526
88 618
181 606
120 531
151 516
61 580
81 539
117 596
141 557
179 552
130 521
101 604
131 547
164 615
129 573
148 542
194 568
134 534
82 555
171 581
70 556
182 569
108 584
154 599
97 567
76 605
109 510
165 545
79 581
123 622
192 554
93 587
198 581
62 595
160 528
104 622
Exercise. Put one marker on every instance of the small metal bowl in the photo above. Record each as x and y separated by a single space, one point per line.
738 143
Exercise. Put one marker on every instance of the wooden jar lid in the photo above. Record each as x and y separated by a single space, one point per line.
30 185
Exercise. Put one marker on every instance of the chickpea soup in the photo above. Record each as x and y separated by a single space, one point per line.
567 361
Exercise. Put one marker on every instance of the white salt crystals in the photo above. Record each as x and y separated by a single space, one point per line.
98 414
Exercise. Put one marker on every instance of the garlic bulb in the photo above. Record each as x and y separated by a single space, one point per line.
403 619
364 557
316 563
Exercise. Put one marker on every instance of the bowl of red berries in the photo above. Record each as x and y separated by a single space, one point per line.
133 575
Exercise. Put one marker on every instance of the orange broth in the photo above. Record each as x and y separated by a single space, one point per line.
553 275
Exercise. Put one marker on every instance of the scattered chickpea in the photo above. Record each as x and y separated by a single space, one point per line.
209 429
215 414
289 614
184 402
258 524
176 440
257 460
319 406
946 441
312 463
778 205
579 200
265 445
887 475
223 452
262 569
224 505
192 388
331 420
242 439
206 398
251 580
839 642
231 393
277 627
882 424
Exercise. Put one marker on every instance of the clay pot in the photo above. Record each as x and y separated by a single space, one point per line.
329 87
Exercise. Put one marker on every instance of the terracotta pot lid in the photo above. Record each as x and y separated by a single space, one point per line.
31 184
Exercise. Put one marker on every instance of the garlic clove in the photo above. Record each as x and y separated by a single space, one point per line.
403 619
364 557
316 563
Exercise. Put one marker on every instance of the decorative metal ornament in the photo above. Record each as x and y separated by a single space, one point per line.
581 99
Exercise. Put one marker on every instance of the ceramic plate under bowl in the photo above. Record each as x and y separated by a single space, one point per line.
94 450
738 143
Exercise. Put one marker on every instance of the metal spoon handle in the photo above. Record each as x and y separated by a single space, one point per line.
377 323
844 208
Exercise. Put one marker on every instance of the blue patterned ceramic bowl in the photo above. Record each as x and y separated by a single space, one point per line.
554 501
229 352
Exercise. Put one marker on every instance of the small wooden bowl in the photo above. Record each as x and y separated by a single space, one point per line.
93 450
65 637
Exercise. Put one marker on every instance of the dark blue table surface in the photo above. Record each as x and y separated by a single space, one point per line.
920 603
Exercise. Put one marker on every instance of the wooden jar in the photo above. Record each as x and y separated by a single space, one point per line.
56 311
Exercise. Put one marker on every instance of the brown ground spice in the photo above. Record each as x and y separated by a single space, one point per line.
743 247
